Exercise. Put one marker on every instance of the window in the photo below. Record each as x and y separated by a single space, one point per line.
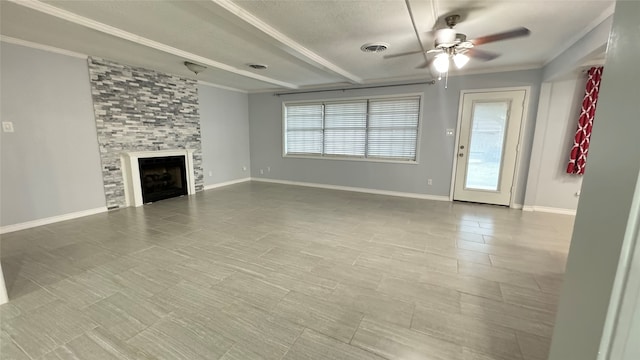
365 128
304 129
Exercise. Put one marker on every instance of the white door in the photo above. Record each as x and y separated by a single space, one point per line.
488 143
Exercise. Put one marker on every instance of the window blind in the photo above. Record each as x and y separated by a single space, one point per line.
365 128
304 129
393 128
345 128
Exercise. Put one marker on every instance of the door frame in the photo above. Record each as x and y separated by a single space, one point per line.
523 122
620 324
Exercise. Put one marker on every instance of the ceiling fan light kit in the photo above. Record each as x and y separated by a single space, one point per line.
449 45
441 63
460 60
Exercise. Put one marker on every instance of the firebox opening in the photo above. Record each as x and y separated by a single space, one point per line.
162 177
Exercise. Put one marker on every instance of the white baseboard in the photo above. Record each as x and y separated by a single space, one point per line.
517 206
226 183
51 220
546 209
356 189
75 215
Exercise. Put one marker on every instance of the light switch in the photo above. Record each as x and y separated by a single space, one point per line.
7 126
450 132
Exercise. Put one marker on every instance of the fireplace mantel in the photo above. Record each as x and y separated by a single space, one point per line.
131 172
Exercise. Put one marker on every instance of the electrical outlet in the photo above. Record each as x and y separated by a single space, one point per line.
429 181
244 168
261 171
268 168
7 126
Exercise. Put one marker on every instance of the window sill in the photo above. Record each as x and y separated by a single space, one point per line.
344 158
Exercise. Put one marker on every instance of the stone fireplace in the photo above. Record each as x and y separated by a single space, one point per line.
142 114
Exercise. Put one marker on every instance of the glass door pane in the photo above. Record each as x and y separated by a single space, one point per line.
486 143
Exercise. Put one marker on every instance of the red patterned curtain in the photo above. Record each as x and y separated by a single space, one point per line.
578 157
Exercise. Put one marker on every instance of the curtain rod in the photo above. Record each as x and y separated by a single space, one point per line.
355 88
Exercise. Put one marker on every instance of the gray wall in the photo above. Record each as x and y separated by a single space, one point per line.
607 192
50 164
561 96
440 111
224 124
549 185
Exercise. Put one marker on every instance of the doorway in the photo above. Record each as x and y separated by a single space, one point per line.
487 150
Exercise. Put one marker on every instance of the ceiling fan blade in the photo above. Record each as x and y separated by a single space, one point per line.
403 54
426 64
481 54
514 33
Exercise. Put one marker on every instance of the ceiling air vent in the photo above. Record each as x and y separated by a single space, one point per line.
257 66
374 47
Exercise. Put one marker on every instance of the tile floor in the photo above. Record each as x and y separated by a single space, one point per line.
265 271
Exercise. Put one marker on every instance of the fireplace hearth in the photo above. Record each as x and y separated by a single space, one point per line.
162 178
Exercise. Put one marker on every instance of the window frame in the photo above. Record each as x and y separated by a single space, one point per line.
419 95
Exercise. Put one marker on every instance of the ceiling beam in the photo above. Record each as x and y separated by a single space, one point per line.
286 43
113 31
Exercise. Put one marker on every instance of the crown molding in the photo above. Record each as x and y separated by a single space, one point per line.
457 73
33 45
29 44
113 31
408 79
499 69
221 87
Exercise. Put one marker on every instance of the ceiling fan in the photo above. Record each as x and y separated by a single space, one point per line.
450 44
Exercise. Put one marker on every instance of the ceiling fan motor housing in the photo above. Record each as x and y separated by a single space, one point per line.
445 38
448 38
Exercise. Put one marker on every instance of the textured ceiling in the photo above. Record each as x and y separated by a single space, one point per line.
304 43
